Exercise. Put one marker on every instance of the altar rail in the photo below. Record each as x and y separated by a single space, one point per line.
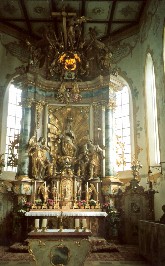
152 242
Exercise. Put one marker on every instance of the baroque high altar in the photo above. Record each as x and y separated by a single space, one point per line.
63 168
67 143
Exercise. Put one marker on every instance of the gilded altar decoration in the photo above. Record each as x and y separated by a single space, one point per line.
39 153
26 188
67 54
120 148
64 55
135 166
2 163
63 169
12 159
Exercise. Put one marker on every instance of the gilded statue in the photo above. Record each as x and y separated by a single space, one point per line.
43 192
68 146
83 161
95 155
39 154
92 191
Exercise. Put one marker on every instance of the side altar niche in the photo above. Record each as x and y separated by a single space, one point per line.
65 175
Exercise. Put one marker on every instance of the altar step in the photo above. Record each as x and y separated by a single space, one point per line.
102 253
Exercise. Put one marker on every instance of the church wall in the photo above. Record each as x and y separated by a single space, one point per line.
132 67
8 63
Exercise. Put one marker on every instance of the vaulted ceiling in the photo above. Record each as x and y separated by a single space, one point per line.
28 18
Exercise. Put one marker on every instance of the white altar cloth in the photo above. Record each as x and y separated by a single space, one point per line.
73 213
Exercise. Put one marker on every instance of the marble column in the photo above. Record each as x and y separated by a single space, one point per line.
91 123
23 157
110 152
103 139
45 122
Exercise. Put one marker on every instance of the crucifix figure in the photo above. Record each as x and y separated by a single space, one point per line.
64 16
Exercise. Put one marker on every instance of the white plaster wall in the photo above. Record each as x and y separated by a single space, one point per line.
8 63
150 39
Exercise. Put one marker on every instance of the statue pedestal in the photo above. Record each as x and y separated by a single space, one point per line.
55 247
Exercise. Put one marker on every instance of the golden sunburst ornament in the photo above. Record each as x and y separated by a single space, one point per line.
69 61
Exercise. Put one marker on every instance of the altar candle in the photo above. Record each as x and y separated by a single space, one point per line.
84 223
77 223
34 187
57 186
75 188
87 186
97 188
44 223
36 223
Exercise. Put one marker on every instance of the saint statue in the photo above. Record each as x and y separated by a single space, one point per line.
95 155
39 154
43 192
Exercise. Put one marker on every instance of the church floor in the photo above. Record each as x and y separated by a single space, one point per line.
124 255
94 263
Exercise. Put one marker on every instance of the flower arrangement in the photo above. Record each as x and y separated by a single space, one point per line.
28 204
50 202
92 202
21 212
38 202
82 203
106 206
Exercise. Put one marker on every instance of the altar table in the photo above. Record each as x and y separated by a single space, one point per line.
75 213
55 247
94 217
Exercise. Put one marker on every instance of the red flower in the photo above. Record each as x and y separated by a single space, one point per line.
50 202
82 203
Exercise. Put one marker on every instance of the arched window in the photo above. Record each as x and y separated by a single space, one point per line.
122 130
151 113
14 115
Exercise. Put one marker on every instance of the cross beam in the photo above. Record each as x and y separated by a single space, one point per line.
64 16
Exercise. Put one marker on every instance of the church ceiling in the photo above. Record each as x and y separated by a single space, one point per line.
109 18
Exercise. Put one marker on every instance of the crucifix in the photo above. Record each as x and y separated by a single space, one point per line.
64 16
